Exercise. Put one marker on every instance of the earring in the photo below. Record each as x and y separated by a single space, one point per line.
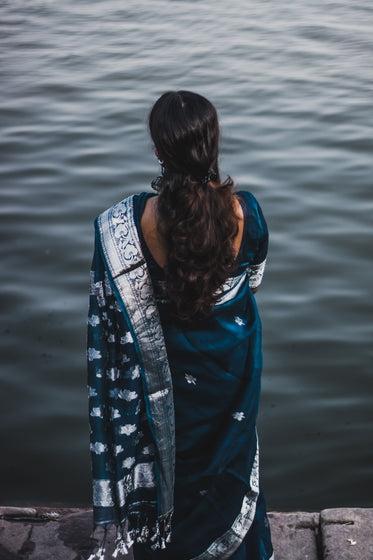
161 162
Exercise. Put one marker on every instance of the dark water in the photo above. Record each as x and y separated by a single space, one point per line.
292 82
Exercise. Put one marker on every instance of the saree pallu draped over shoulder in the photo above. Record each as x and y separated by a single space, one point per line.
139 362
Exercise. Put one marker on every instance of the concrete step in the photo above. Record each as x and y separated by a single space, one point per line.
347 534
295 535
65 534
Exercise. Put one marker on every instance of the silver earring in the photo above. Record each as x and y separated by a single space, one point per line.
161 162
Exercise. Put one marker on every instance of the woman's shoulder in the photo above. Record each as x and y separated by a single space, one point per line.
131 201
255 235
248 201
251 209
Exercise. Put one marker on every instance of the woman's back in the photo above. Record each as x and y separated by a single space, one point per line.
153 239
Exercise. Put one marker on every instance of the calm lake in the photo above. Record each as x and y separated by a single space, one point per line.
292 82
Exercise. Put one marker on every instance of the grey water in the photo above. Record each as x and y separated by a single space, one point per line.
292 82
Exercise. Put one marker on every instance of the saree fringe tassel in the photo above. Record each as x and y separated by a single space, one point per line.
100 554
159 535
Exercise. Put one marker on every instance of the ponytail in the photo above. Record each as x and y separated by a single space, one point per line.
196 211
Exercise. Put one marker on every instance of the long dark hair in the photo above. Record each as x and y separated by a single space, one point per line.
196 211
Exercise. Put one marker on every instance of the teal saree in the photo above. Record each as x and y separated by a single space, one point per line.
173 406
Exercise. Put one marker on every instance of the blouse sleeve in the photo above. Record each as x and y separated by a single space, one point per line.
255 240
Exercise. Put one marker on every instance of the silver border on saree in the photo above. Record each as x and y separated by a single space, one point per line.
223 547
128 269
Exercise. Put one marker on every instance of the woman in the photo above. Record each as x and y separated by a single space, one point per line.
174 354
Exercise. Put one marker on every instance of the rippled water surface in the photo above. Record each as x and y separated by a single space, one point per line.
292 82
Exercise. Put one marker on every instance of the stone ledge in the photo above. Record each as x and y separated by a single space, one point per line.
295 535
42 533
347 534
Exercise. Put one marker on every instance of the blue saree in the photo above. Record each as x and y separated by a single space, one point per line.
173 406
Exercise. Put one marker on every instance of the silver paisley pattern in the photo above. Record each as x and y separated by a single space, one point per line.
256 272
122 250
102 493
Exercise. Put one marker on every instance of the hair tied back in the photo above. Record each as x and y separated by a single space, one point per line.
195 210
211 176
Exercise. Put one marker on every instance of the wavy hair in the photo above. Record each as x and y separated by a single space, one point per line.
196 211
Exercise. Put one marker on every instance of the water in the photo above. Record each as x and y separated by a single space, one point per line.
293 86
